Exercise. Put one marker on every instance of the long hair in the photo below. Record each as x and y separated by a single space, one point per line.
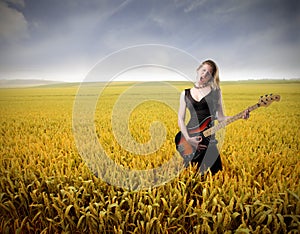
214 83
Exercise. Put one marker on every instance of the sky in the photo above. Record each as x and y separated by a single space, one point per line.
64 39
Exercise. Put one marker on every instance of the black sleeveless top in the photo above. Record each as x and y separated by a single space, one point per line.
206 107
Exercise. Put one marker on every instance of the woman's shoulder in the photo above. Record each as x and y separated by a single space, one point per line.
185 91
217 91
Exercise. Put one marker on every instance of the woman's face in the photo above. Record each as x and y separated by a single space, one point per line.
204 73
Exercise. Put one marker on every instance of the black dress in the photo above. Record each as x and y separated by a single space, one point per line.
199 111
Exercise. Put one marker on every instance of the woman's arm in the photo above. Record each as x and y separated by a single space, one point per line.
181 116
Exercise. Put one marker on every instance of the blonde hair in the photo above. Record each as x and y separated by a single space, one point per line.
214 83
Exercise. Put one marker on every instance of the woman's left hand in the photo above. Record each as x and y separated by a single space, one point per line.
246 114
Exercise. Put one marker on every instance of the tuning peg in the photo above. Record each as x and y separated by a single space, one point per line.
261 96
271 94
266 95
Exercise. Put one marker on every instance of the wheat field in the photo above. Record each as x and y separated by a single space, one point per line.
47 187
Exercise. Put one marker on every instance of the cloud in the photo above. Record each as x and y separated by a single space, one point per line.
194 5
17 3
13 25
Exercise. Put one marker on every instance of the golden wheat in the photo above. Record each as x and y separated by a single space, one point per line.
46 187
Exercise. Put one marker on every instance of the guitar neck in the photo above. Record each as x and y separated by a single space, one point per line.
223 124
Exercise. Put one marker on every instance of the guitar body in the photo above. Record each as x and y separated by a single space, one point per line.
182 145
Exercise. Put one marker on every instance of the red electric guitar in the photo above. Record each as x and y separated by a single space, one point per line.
205 131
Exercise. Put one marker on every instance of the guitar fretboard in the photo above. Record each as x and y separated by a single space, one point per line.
223 124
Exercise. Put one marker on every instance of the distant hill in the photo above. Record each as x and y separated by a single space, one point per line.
19 83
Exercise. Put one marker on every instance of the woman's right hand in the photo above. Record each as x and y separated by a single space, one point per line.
195 142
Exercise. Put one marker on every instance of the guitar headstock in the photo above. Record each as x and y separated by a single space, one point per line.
268 99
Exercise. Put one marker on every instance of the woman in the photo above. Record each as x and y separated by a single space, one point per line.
203 100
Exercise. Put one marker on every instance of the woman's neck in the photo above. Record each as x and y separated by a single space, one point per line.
200 86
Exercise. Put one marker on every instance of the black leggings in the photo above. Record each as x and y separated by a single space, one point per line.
209 158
